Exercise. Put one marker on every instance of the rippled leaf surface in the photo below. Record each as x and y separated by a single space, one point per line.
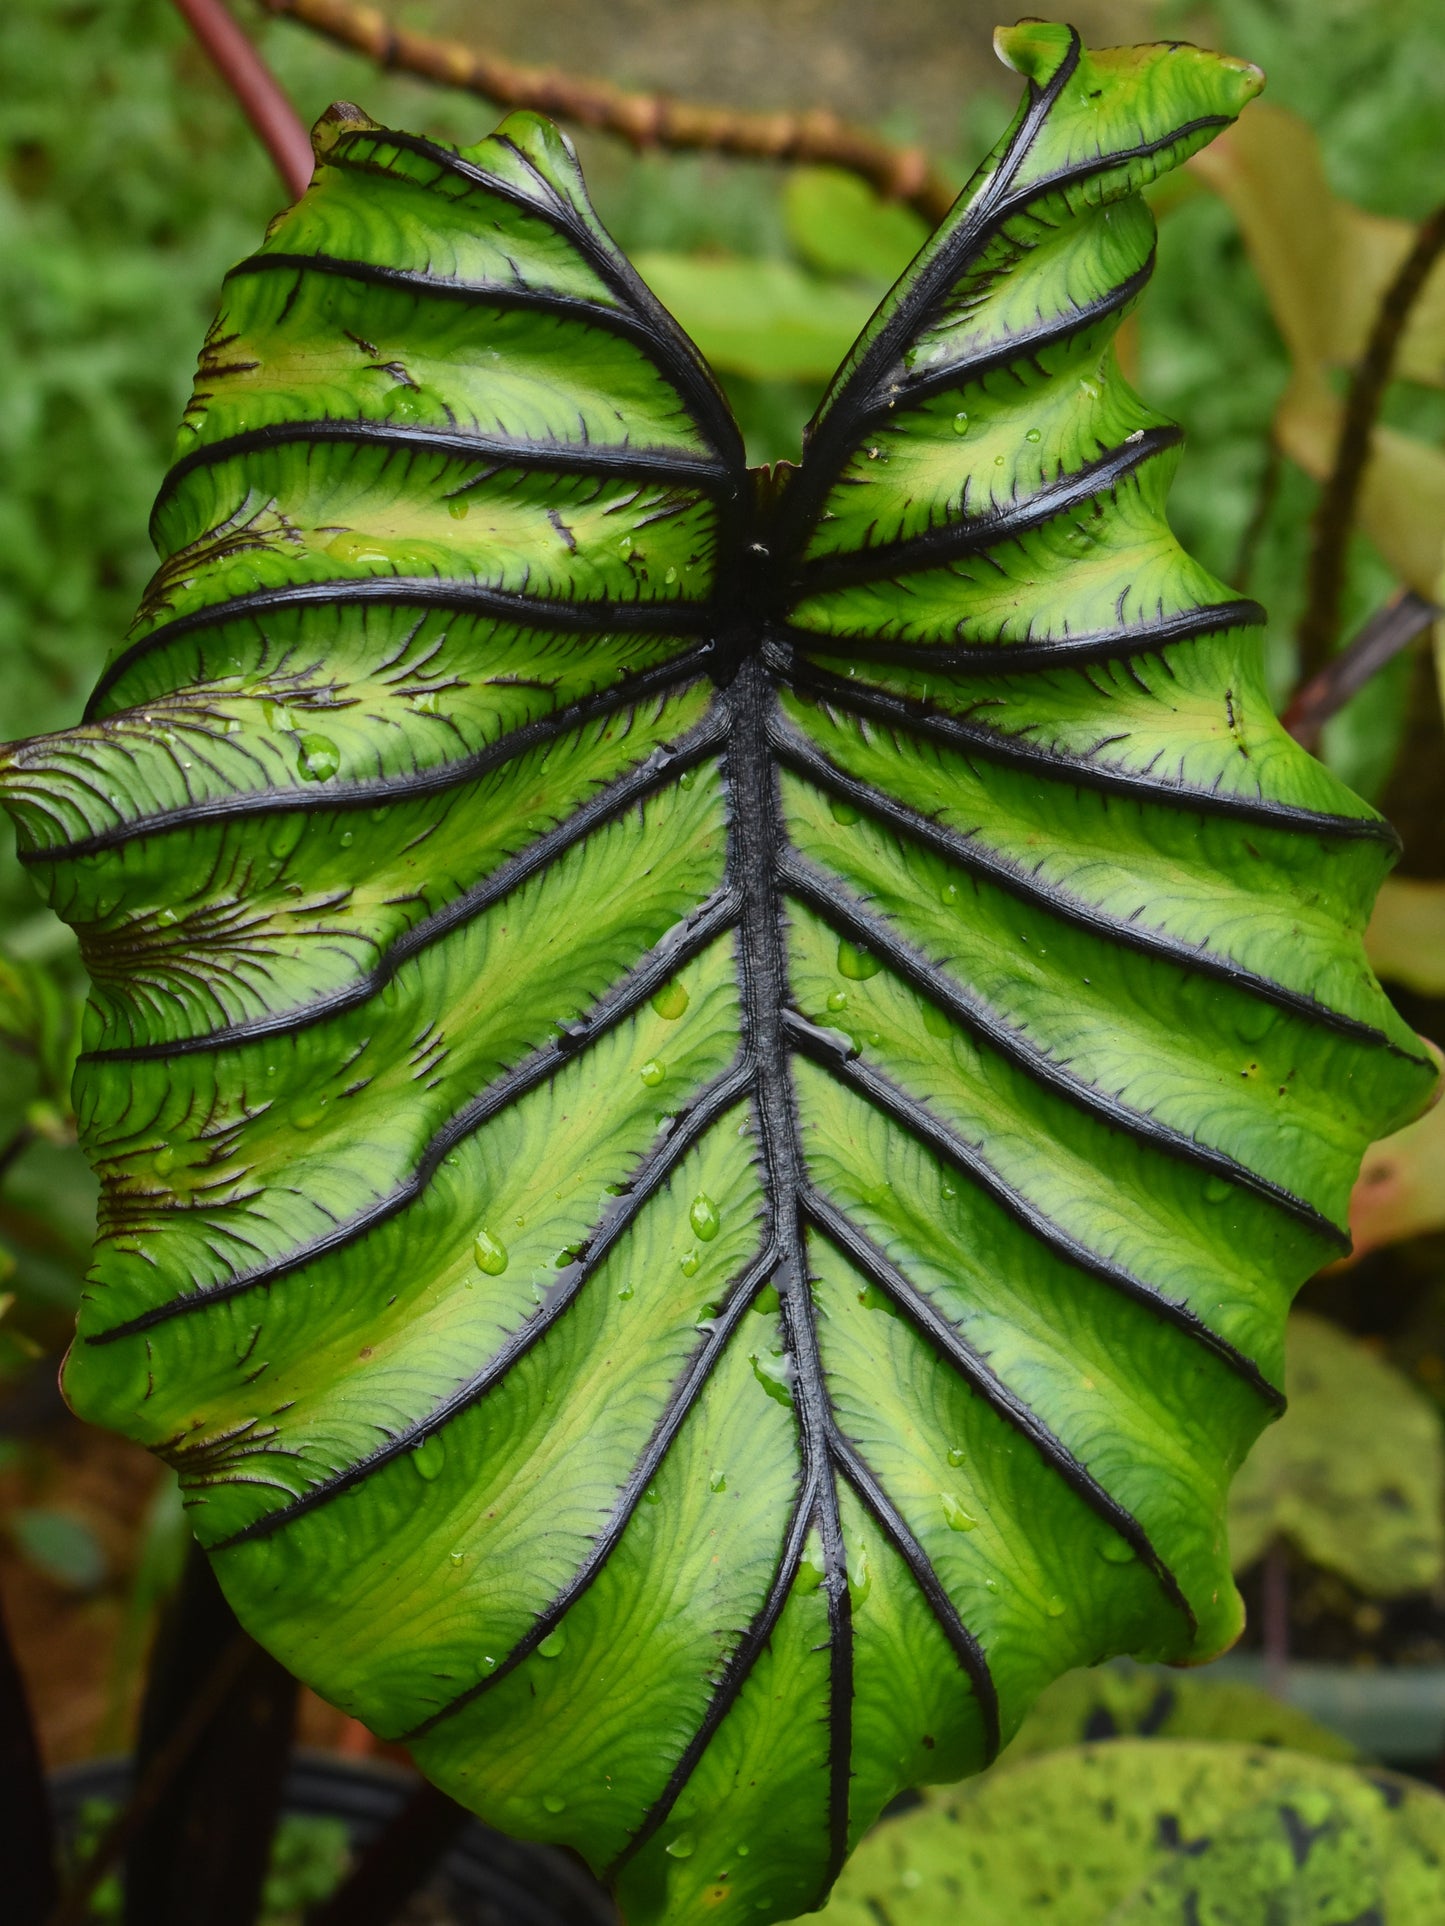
710 1087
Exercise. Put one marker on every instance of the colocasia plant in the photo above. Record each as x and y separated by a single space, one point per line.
710 1085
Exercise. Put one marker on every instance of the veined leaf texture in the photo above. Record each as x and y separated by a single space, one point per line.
710 1087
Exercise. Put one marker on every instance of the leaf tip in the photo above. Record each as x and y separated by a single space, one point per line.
1034 48
341 117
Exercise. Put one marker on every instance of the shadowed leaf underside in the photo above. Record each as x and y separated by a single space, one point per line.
710 1087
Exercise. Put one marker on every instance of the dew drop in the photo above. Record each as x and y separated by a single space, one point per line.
1033 435
670 577
935 1021
624 1293
1216 1190
682 1847
551 1802
837 1000
306 1113
1117 1551
457 508
690 1262
956 1455
346 838
428 1457
624 547
775 1375
717 1482
954 1515
285 836
1055 1607
742 1852
948 1192
844 812
960 423
670 1001
687 779
165 1160
703 1216
317 758
860 1577
652 1496
653 1072
1255 1021
948 895
489 1253
857 965
554 1644
998 461
457 1558
810 1575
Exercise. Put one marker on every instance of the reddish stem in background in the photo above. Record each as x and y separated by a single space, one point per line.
256 88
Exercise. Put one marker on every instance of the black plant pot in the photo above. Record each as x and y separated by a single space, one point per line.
485 1878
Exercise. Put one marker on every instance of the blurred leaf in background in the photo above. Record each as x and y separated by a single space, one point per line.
1353 1474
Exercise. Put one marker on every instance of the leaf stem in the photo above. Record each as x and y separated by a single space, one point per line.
256 88
642 119
1388 631
1335 514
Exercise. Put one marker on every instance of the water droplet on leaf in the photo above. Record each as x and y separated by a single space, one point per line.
670 1001
954 1515
551 1802
960 423
690 1262
838 1000
489 1253
1055 1607
810 1575
717 1482
554 1644
956 1454
428 1457
1033 435
704 1218
682 1847
653 1072
860 1576
1117 1551
317 758
857 965
775 1375
285 836
843 812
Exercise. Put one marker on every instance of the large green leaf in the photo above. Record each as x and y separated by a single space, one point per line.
710 1088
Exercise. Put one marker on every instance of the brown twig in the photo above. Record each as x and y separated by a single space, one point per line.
1387 632
643 120
1335 515
256 88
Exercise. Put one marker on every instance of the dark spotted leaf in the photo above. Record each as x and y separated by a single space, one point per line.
710 1088
1163 1832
